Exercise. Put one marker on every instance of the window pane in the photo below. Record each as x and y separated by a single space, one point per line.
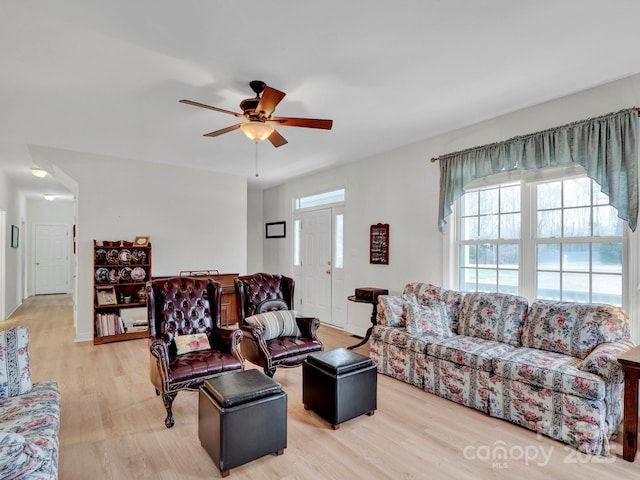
549 224
339 260
599 198
508 256
469 228
489 226
606 222
470 204
510 199
575 257
468 279
488 254
488 201
548 256
577 222
487 280
548 286
510 226
468 256
296 243
607 257
324 198
508 281
577 192
575 287
549 195
607 289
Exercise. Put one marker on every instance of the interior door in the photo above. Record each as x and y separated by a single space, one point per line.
52 259
315 256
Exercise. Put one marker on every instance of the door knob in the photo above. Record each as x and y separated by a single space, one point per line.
328 272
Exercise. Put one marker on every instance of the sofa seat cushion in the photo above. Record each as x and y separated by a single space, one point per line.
473 352
551 370
493 316
573 329
399 337
197 365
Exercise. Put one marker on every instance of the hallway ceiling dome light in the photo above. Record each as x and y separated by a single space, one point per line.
39 172
49 196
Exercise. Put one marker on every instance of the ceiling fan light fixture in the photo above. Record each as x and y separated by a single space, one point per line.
38 172
257 131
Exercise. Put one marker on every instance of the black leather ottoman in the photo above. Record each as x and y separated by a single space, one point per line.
339 385
241 416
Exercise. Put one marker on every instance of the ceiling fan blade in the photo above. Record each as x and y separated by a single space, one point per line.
276 139
223 130
269 101
303 122
202 105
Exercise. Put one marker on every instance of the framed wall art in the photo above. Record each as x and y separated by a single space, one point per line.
276 230
379 244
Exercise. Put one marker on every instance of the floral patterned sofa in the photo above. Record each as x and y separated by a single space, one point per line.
29 414
550 367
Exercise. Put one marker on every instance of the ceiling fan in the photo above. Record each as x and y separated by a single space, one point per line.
258 111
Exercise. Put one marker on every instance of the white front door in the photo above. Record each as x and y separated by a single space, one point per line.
52 259
313 298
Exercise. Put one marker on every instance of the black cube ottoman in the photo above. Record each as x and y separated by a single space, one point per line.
241 416
339 385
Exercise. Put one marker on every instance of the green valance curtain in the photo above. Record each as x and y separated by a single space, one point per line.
606 146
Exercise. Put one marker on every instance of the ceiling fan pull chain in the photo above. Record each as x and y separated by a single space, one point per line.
257 161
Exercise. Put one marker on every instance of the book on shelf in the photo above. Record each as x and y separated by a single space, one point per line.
109 324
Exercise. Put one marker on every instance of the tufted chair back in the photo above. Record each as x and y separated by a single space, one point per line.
182 306
263 292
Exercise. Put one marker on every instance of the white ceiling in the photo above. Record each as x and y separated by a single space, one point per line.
105 77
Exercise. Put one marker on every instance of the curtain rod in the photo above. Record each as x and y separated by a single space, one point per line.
636 109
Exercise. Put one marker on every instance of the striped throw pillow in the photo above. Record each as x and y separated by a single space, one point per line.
277 323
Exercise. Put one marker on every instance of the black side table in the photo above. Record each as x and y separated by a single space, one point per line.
352 298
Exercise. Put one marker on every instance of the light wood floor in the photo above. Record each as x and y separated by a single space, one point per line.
112 423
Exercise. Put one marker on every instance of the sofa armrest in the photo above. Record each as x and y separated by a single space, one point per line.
226 340
603 361
308 326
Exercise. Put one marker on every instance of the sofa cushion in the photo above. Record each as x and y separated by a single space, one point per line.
573 329
390 311
18 456
493 316
399 337
15 374
470 351
276 323
191 343
551 370
429 294
430 320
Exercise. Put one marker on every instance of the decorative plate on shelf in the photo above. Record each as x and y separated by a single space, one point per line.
138 256
114 275
125 256
112 257
101 256
125 274
102 275
138 274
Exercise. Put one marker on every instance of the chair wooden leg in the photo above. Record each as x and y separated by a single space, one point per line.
167 398
269 372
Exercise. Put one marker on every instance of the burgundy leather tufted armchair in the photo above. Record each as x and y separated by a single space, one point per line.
263 292
183 306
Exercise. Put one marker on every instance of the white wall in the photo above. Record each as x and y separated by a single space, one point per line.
401 188
43 212
196 219
255 231
12 284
